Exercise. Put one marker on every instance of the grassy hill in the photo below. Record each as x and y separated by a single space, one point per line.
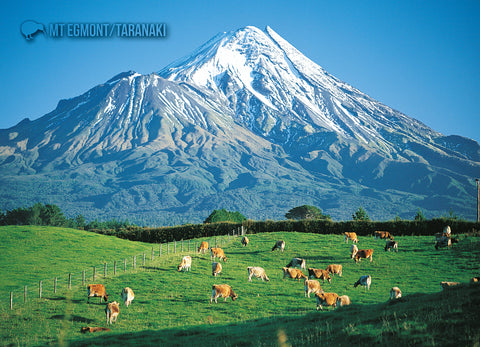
172 308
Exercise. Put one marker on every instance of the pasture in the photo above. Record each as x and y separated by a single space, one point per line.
173 308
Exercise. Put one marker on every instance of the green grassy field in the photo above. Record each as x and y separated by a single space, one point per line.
173 308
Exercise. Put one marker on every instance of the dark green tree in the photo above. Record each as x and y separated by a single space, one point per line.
306 212
360 215
419 216
225 216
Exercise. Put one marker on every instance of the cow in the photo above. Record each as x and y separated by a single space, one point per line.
350 236
391 244
353 250
216 268
395 293
320 274
334 269
258 272
245 241
312 286
382 235
365 281
475 280
279 245
222 290
127 295
297 262
293 273
218 253
185 264
326 299
92 329
112 310
97 290
343 300
446 242
364 253
446 285
446 234
203 247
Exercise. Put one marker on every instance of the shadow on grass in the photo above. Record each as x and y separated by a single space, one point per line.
73 318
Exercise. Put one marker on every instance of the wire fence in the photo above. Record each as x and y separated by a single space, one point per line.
48 288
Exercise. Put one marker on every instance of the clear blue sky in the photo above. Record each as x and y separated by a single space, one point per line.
419 57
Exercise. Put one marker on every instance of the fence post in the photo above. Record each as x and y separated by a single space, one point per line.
55 286
25 294
182 245
40 289
160 251
69 281
104 269
134 262
143 259
175 248
94 270
189 246
83 278
215 242
168 247
125 265
11 300
152 253
114 268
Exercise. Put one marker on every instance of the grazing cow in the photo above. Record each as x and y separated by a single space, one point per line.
446 285
391 244
186 263
279 245
354 250
112 310
297 262
395 293
293 273
203 247
446 234
127 295
258 272
334 269
364 253
320 274
326 299
350 236
218 253
216 268
97 290
312 286
446 242
475 280
222 290
343 300
92 329
365 281
383 235
245 241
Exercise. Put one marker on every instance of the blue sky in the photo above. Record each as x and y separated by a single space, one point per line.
419 57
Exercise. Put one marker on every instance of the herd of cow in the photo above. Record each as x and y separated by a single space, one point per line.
290 271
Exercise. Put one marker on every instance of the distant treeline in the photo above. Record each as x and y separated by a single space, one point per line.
362 228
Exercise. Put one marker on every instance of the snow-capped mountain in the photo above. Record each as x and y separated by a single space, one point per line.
246 122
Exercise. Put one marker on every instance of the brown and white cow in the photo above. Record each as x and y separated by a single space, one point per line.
334 269
320 274
293 273
446 242
364 253
353 250
382 235
97 290
364 281
203 247
185 264
350 236
326 299
245 241
391 244
279 245
127 295
218 253
258 272
343 300
475 280
312 286
112 310
446 285
92 329
222 290
216 268
395 293
297 262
